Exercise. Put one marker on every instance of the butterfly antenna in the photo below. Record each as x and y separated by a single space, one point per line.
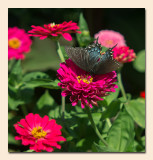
114 46
97 39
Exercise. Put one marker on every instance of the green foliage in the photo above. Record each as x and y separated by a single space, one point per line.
112 96
111 110
139 63
136 109
121 134
101 148
84 38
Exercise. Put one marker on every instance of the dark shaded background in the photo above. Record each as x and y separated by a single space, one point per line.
129 22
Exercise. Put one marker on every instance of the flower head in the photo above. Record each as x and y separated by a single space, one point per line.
124 54
40 133
81 86
19 43
142 94
55 30
109 38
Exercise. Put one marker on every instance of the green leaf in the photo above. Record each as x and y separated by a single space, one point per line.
111 110
139 63
112 96
29 150
80 143
11 140
55 113
25 94
84 38
136 109
96 116
123 99
45 100
45 104
121 134
101 148
45 83
16 73
104 49
14 103
35 76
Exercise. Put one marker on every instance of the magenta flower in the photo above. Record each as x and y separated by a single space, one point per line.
109 38
55 30
40 133
124 54
81 86
19 43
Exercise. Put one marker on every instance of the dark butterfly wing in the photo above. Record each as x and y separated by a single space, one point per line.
106 63
85 58
79 56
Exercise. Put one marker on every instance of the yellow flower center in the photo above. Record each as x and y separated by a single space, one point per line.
14 43
37 132
86 79
109 42
53 25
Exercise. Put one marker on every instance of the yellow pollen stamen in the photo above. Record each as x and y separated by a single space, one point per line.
85 79
14 43
37 132
109 42
53 25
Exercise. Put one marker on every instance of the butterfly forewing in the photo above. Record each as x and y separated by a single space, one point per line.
79 56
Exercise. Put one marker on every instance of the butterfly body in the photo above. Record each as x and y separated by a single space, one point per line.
91 60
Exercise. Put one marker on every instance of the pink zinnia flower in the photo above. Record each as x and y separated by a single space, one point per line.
124 54
81 86
109 38
40 133
19 43
54 30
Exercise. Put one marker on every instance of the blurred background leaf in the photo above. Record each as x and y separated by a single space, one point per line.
139 64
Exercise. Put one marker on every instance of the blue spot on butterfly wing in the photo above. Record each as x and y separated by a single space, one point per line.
94 56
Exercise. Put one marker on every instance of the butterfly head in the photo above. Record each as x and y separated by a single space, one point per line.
95 46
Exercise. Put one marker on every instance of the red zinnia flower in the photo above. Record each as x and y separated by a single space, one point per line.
55 30
19 42
40 133
81 86
124 54
142 94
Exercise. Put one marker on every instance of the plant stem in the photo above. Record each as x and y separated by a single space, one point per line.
108 122
121 85
63 106
60 52
62 60
94 126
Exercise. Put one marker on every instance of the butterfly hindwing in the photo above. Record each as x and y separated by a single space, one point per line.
107 63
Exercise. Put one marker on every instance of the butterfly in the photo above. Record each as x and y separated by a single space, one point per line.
92 60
